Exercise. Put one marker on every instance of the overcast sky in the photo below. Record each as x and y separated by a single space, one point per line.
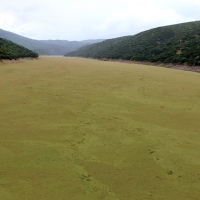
92 19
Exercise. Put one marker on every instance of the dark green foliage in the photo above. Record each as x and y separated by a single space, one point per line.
169 44
10 50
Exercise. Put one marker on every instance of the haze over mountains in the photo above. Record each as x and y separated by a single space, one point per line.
46 47
178 43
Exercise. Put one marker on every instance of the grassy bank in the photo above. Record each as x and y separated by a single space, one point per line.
86 129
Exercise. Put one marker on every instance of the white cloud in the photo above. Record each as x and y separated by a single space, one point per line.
77 19
131 21
7 20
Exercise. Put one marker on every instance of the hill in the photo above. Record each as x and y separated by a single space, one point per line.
61 47
10 50
178 43
46 47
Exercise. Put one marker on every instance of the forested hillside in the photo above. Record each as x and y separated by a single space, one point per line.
10 50
46 47
178 43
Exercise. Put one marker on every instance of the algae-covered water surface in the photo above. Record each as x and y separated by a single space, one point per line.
76 129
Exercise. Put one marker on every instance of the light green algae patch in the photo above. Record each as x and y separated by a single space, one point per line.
85 129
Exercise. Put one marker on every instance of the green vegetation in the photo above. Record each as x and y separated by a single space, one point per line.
169 44
10 50
87 129
46 47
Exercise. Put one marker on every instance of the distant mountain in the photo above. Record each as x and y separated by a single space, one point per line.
61 47
178 43
92 41
46 47
76 44
10 50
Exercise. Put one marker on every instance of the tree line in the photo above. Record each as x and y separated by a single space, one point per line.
178 44
10 50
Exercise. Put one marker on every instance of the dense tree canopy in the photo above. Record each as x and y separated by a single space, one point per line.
10 50
169 44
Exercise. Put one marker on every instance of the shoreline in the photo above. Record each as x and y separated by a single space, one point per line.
18 60
166 65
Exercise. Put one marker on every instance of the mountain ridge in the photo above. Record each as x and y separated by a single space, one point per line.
179 43
46 47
